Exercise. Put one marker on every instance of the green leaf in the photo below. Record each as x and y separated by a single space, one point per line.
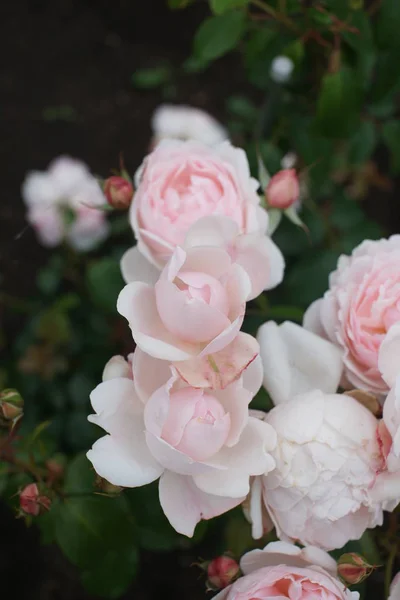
220 7
339 102
105 282
79 433
218 35
362 143
387 76
148 79
79 387
388 24
112 574
80 476
307 280
391 136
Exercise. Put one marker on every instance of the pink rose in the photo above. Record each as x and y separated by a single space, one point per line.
193 313
283 571
360 307
395 588
202 444
327 460
283 189
180 182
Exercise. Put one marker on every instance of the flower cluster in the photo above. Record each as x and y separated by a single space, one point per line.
321 466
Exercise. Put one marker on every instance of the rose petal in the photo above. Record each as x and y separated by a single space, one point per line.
135 267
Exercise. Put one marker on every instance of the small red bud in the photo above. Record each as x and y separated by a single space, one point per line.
221 572
353 568
32 502
283 189
119 192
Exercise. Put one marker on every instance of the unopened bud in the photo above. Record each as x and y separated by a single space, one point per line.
119 192
221 572
56 466
283 189
32 502
11 406
107 488
353 568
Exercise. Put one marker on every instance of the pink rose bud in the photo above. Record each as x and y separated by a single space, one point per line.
283 189
32 502
119 192
221 572
353 568
11 406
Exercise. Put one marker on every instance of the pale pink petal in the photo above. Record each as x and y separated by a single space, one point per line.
137 304
135 267
211 260
213 230
235 399
312 319
389 355
150 373
185 505
117 366
262 260
174 460
252 376
224 338
220 369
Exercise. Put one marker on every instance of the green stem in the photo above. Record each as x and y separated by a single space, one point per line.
389 569
281 18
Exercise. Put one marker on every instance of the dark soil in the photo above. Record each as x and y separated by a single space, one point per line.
81 54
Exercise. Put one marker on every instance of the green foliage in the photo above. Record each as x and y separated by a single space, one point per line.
151 78
220 7
218 35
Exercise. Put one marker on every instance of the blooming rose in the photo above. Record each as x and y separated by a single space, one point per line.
283 571
395 588
360 307
63 203
196 307
327 459
180 182
186 123
296 361
202 444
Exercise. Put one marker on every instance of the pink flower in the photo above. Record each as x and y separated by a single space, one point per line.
283 571
283 189
255 253
360 307
32 502
180 182
221 571
202 443
193 313
64 204
327 459
186 123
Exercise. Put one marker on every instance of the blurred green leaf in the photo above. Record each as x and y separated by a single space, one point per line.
79 387
79 433
387 76
104 281
147 79
80 476
307 279
112 574
220 7
338 103
218 35
388 24
362 143
391 136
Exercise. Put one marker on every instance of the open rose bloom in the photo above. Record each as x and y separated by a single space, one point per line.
358 310
202 444
181 182
285 572
65 203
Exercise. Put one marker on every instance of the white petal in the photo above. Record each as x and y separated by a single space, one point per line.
136 267
389 355
185 505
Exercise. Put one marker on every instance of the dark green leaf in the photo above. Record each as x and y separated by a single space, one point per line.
218 35
387 75
112 574
220 7
307 280
105 282
79 388
338 103
363 143
147 79
388 24
80 476
79 433
391 135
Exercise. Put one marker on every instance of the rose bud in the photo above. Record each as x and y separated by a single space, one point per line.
221 572
119 192
11 406
353 568
32 502
283 189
